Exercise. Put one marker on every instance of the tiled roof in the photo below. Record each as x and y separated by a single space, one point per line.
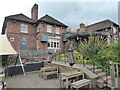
50 20
99 25
20 17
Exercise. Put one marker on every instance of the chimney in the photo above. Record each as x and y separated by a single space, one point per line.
34 12
82 28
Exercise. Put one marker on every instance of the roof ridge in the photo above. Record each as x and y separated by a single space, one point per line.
54 18
14 15
18 14
99 22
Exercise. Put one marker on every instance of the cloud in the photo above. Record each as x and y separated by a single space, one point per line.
70 13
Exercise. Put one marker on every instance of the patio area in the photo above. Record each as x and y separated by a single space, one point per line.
31 81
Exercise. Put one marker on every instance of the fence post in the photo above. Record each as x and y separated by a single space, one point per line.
117 72
112 74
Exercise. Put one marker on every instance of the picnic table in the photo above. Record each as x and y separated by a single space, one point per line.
68 75
47 71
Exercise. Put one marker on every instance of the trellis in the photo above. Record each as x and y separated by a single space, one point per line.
115 74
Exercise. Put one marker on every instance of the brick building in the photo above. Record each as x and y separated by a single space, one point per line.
26 33
106 28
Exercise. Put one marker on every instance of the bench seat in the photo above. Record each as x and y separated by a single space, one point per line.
81 83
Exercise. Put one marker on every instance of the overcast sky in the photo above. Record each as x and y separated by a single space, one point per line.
71 12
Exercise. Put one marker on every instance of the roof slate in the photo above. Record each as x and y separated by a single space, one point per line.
21 17
99 25
50 20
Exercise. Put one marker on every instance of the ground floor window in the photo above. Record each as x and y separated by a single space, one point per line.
53 42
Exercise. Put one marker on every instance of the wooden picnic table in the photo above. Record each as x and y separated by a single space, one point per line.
68 75
46 71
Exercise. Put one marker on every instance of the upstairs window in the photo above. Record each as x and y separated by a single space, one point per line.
57 30
24 28
114 30
49 29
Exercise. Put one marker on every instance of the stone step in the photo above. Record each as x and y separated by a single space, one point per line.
92 68
97 71
108 78
101 82
101 74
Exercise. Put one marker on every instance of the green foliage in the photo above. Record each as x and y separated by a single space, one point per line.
79 58
91 46
109 53
63 57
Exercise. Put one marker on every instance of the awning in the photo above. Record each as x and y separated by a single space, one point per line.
5 46
85 34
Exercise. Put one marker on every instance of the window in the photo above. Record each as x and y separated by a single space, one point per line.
12 39
53 42
49 28
24 28
57 30
114 30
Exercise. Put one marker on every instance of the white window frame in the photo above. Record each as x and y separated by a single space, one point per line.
49 28
57 30
52 41
24 28
12 39
114 30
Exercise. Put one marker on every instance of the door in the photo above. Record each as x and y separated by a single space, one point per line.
23 44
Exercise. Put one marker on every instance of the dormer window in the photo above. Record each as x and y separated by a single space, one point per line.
49 29
24 28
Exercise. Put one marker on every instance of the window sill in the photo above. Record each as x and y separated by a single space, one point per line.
23 33
53 48
58 34
48 32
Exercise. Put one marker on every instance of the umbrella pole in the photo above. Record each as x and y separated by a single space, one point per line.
21 64
14 65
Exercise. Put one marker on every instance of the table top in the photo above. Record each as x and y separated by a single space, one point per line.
71 73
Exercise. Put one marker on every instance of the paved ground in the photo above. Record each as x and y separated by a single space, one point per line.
31 81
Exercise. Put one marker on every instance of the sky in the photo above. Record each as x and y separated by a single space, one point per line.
70 12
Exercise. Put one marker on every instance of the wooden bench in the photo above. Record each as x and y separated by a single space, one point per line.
47 71
81 83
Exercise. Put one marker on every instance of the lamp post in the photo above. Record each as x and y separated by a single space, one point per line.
71 60
49 57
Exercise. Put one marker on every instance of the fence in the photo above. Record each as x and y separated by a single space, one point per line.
115 74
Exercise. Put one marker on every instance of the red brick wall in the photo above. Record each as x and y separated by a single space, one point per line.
43 32
13 30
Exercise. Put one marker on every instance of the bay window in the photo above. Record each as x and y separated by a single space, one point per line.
53 42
